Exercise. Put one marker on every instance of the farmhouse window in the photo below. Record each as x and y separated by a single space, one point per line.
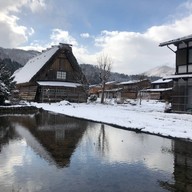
61 75
181 57
157 86
190 56
190 68
190 44
182 69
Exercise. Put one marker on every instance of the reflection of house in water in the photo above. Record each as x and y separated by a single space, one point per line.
54 137
182 167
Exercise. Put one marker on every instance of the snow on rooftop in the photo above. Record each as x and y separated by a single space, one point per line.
114 90
58 84
157 90
162 81
92 86
178 76
34 65
14 74
129 82
185 38
110 82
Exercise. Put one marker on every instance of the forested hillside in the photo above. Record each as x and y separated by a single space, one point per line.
18 55
9 65
92 74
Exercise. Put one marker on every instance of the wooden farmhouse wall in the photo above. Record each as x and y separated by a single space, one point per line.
55 94
27 91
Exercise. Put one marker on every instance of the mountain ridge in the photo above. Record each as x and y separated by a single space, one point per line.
160 71
17 55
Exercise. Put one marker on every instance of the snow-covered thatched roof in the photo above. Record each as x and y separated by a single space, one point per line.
26 73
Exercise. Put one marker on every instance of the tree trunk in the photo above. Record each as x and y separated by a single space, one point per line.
103 93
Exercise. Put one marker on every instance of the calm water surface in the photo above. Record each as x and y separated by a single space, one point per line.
52 153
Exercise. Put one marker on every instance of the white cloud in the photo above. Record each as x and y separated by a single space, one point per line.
85 35
37 46
60 36
131 52
11 32
11 6
16 5
36 5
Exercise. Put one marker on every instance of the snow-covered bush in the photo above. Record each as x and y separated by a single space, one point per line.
93 98
64 102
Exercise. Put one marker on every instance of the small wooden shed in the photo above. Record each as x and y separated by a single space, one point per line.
130 89
52 76
161 89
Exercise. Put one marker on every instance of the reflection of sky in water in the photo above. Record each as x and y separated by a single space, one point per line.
105 159
121 146
132 148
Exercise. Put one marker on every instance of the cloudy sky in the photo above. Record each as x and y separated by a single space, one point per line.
129 31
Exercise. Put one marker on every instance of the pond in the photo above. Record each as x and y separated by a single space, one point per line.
48 152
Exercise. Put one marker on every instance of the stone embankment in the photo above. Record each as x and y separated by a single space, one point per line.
18 109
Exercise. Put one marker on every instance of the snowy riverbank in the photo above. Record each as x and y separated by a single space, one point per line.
149 116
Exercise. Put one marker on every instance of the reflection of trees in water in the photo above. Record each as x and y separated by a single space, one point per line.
182 168
103 145
7 131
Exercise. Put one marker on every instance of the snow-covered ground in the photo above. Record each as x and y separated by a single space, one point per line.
149 116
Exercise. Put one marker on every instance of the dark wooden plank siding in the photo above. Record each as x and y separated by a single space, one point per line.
55 94
28 93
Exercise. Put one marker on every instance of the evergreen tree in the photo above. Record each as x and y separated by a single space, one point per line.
6 83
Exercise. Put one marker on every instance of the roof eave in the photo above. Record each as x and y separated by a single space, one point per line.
176 41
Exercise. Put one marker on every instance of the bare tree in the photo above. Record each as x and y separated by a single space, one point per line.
104 66
142 84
